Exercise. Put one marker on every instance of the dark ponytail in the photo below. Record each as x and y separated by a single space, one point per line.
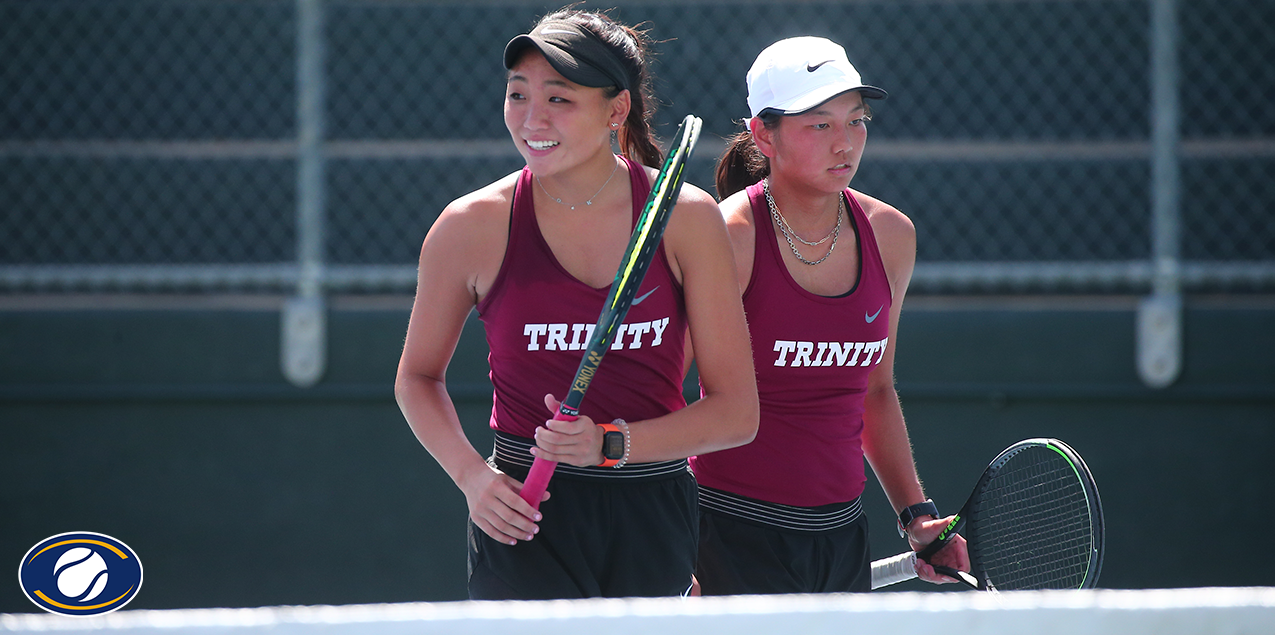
742 163
632 47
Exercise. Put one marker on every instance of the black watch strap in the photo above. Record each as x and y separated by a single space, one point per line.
912 512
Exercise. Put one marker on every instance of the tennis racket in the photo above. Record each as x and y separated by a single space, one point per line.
1034 521
637 259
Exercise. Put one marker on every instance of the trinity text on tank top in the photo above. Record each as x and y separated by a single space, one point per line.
813 355
539 319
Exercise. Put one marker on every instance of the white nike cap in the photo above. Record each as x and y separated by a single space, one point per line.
794 75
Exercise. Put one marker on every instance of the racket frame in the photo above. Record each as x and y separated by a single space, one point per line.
633 266
894 569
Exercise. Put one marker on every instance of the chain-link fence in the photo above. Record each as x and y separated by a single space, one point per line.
161 144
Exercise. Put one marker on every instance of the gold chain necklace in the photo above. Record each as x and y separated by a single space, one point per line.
615 166
789 233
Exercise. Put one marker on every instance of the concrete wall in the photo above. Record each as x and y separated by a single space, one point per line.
168 425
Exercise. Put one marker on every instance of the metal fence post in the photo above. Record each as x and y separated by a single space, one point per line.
304 318
1159 322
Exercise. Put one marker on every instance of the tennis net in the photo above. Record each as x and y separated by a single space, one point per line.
1162 612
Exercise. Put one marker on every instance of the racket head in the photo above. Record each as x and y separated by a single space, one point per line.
1034 520
637 258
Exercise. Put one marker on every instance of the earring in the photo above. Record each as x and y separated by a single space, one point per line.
615 125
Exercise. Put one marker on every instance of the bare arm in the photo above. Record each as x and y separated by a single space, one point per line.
885 435
738 214
726 416
459 259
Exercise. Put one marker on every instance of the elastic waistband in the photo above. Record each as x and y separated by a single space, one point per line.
822 518
512 450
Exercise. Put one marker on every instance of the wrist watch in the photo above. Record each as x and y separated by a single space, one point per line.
912 512
612 444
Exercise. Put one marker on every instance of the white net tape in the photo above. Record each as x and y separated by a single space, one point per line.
1161 612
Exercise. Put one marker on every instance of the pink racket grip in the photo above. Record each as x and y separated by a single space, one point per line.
541 471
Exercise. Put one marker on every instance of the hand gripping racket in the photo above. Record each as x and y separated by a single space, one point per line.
637 259
1034 521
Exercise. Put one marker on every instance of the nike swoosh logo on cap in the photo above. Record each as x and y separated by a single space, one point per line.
638 300
814 68
872 318
562 31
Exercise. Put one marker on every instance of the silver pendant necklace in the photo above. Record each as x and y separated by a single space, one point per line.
789 233
615 166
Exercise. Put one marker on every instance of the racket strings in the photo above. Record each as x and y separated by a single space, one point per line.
1033 528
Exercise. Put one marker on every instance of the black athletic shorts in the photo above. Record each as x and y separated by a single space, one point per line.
605 533
753 547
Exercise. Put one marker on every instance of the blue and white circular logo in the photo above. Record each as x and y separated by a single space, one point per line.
80 573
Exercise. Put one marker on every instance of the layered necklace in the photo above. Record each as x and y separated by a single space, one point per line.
614 166
789 233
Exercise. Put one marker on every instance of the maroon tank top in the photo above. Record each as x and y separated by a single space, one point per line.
538 319
813 355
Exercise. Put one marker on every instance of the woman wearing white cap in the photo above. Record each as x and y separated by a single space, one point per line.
823 270
535 253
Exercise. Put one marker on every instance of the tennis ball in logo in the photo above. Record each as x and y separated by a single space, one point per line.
81 574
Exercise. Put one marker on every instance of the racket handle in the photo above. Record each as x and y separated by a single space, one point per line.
541 471
936 546
960 576
894 570
537 481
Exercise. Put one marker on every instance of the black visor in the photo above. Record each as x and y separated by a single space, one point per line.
574 51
